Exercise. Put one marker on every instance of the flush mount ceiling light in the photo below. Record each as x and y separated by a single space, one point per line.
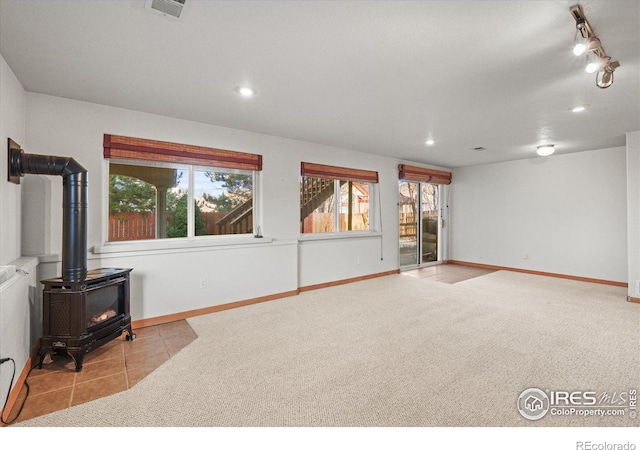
246 91
430 142
545 150
602 66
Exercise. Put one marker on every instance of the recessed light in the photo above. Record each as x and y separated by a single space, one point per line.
579 108
246 91
430 142
545 150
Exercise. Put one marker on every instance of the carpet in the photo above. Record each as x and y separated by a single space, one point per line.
394 351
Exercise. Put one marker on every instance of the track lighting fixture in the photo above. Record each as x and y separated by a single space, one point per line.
603 67
590 45
604 78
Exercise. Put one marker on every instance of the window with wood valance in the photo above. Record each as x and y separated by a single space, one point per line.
335 199
413 173
122 147
338 173
161 190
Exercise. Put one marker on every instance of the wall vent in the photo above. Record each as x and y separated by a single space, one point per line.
167 7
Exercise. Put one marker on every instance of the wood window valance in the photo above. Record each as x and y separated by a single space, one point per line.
338 173
123 147
413 173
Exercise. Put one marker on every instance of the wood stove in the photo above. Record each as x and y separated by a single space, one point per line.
81 316
82 309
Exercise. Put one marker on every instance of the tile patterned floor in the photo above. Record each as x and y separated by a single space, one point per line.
114 367
447 273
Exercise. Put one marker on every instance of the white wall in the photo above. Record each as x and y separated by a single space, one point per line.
12 125
20 320
633 211
166 282
567 213
17 295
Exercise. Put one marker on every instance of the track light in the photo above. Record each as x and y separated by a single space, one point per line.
598 65
593 67
603 67
604 78
579 49
592 44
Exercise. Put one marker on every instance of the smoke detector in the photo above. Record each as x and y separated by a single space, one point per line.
168 8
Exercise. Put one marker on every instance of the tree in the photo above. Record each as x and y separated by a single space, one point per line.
238 189
128 194
177 218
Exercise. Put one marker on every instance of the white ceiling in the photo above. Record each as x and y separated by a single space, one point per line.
374 76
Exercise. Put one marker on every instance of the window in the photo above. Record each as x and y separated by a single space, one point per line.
161 190
335 199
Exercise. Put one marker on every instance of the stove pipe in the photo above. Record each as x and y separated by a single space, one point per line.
74 203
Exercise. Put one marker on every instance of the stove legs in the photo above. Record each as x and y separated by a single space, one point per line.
129 334
78 353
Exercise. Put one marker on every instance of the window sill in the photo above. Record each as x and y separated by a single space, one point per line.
23 266
343 235
178 244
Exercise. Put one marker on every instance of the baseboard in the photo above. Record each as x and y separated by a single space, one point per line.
634 299
347 280
159 320
535 272
211 309
19 383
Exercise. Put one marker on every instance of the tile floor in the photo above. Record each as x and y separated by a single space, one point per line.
116 366
120 364
447 273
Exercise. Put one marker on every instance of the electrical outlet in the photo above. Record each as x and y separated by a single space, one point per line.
203 283
525 256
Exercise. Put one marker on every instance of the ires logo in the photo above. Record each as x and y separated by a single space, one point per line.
590 398
534 403
576 398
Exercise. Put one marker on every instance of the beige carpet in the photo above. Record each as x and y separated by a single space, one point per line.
393 351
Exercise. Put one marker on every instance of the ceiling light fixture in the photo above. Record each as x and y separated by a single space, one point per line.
430 142
582 48
246 91
579 108
604 78
545 150
603 66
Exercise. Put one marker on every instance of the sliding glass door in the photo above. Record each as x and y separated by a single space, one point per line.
419 219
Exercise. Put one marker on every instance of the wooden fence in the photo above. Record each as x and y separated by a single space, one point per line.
135 226
324 222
